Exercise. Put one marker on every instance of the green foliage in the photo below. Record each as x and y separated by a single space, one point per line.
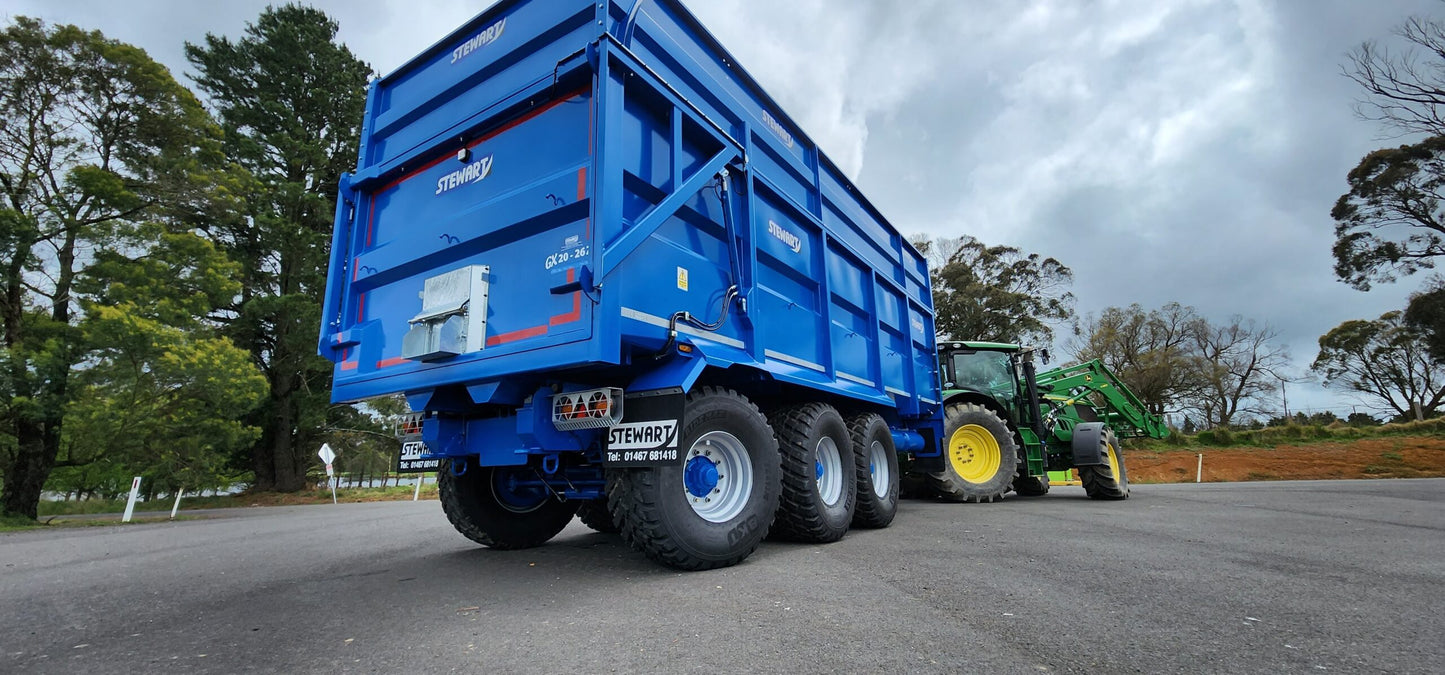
1389 224
290 99
1151 351
1219 437
1174 359
1426 314
163 401
1296 434
1385 360
100 151
996 293
1359 419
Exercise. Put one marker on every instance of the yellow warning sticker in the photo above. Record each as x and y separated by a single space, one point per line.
682 278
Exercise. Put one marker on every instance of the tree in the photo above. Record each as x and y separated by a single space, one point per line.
1426 314
995 293
1390 222
1239 367
290 99
95 138
1401 92
162 394
1153 352
1384 361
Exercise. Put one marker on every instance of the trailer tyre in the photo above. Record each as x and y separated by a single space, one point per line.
981 456
878 477
713 508
820 482
594 514
1108 481
490 507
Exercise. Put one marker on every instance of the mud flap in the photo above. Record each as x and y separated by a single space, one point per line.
1087 446
649 431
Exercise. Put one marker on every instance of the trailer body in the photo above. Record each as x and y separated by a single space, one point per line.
566 150
567 215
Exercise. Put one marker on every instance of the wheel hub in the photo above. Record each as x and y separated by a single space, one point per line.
717 477
974 453
700 476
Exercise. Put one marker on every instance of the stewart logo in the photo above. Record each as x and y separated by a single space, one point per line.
479 40
793 241
778 129
470 173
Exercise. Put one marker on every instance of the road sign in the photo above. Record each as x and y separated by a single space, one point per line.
328 456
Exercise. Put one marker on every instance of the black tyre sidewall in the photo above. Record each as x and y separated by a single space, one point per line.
1002 481
473 509
804 516
1119 456
594 514
874 510
693 542
1031 486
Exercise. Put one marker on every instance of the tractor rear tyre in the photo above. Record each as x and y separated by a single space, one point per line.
1031 486
494 506
1110 481
878 478
820 482
715 505
594 514
981 456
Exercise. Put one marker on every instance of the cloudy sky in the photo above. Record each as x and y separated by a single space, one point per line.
1185 150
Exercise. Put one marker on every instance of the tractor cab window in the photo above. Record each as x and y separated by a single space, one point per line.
985 371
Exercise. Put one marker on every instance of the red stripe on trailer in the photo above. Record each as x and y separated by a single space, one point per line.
515 335
576 312
394 361
348 365
360 307
370 214
582 194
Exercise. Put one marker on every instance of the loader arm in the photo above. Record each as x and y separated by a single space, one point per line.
1121 410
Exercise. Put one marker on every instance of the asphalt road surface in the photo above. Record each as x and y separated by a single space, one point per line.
1302 577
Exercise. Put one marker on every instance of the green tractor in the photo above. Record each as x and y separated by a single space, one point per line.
1008 427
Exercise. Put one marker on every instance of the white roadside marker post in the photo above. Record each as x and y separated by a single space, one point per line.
1199 473
420 478
328 455
177 505
130 504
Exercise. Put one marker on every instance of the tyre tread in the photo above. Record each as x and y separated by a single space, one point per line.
800 513
944 486
871 512
640 520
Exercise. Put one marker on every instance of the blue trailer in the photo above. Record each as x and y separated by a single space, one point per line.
613 278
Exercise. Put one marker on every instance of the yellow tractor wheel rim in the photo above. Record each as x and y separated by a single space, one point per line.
974 453
1114 464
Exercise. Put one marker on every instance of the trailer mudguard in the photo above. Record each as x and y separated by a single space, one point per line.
1088 450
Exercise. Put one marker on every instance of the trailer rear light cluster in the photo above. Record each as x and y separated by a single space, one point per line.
409 426
591 409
